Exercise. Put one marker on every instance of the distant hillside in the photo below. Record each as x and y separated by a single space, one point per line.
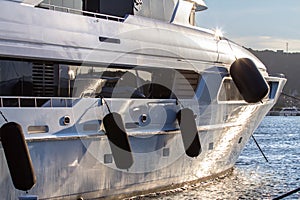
285 63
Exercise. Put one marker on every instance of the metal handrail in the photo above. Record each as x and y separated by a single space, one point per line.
73 10
20 101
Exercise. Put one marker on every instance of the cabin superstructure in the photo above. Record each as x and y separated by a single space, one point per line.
175 11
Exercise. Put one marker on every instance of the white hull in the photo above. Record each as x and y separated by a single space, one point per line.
73 166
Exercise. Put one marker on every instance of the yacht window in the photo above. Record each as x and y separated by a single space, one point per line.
110 82
16 78
209 84
20 78
119 8
203 94
148 83
229 91
273 89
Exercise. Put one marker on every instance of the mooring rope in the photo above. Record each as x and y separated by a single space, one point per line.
3 116
105 103
290 96
259 148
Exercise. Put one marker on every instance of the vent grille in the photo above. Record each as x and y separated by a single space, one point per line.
44 80
186 84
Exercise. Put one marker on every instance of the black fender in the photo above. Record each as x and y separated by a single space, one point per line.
118 140
249 81
17 156
189 132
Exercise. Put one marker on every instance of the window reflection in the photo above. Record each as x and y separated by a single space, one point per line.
46 79
229 91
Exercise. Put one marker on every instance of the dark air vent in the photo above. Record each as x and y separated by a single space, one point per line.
44 79
186 84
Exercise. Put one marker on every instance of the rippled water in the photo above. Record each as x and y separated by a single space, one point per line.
253 177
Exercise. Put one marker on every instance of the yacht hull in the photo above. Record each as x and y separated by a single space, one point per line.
83 166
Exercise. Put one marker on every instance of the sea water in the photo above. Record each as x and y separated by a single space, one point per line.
253 177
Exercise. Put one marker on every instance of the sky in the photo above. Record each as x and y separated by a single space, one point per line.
256 24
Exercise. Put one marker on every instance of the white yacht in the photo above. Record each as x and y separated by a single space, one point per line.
112 99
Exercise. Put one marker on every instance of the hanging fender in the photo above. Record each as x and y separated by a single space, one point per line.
118 140
17 156
189 132
248 80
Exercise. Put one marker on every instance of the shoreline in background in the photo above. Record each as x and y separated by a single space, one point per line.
280 62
